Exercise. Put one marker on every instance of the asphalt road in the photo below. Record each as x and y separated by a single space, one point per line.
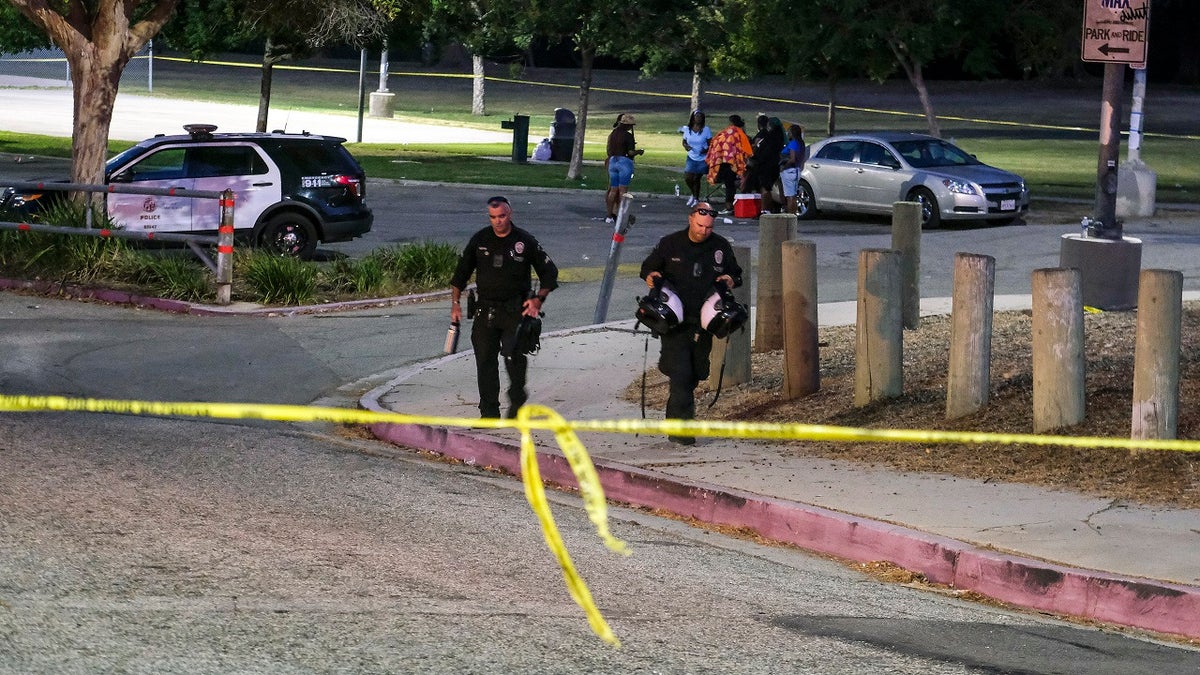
159 546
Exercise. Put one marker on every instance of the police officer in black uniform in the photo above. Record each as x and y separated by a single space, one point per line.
691 261
500 257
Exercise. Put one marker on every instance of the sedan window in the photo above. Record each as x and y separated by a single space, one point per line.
870 153
933 152
842 151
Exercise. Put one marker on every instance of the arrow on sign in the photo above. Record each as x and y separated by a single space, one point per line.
1106 50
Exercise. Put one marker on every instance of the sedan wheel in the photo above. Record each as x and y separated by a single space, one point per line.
931 215
806 203
290 235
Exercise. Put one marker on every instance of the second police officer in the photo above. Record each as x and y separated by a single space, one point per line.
691 261
501 257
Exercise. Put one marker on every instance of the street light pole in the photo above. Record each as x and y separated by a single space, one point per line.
362 89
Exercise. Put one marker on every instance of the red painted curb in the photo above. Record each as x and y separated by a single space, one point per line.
1025 582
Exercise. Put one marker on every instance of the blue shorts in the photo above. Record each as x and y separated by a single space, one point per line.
695 166
620 171
791 181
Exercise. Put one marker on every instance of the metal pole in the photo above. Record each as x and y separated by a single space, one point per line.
225 249
150 65
624 222
383 67
1135 115
362 88
1110 146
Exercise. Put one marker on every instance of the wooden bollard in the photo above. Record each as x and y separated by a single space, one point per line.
734 351
801 355
773 230
906 238
1058 364
1156 354
968 384
879 333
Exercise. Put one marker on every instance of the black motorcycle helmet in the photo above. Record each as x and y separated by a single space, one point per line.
660 310
722 314
526 340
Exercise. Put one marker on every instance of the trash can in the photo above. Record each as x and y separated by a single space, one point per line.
520 144
562 135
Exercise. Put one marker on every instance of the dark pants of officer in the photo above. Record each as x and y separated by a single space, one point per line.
684 360
495 325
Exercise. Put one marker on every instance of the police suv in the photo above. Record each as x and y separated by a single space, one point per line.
291 190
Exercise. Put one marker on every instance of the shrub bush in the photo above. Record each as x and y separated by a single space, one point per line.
425 264
259 276
181 277
357 277
277 279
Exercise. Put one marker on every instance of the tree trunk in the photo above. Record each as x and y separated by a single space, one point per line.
479 86
697 84
94 82
264 88
831 108
587 55
915 71
918 80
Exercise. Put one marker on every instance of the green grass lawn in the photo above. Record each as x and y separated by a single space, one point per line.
1045 141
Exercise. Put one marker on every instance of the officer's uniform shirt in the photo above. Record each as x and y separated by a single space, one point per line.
501 265
692 269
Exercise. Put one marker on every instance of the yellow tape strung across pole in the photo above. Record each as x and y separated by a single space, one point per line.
756 430
535 417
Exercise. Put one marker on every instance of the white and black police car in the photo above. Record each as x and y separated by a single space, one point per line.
291 190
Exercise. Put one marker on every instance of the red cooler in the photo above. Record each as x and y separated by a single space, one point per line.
747 205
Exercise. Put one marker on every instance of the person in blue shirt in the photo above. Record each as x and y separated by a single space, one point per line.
696 136
791 163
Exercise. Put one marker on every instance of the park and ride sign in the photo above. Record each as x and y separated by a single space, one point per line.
1114 31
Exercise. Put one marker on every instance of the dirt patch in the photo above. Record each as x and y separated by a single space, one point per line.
1167 478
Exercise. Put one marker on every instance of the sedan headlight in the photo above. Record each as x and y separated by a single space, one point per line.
960 186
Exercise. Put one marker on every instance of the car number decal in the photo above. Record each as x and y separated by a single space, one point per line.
316 181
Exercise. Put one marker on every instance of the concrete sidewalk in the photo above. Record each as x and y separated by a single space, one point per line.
35 106
1040 549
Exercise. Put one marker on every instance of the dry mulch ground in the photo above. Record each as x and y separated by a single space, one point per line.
1153 477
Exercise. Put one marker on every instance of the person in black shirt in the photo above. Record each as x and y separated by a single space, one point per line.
501 257
762 170
620 151
692 261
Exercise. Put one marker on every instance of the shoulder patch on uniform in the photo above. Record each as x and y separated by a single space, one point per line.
519 247
718 256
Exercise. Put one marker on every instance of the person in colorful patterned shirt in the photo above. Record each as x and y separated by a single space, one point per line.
727 154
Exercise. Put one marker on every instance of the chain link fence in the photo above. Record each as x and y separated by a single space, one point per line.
47 66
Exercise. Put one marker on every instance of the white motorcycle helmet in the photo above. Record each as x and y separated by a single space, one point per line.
661 309
722 314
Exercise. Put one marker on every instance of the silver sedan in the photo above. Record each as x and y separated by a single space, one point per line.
867 173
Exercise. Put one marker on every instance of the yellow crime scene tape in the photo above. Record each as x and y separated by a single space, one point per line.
659 94
541 418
